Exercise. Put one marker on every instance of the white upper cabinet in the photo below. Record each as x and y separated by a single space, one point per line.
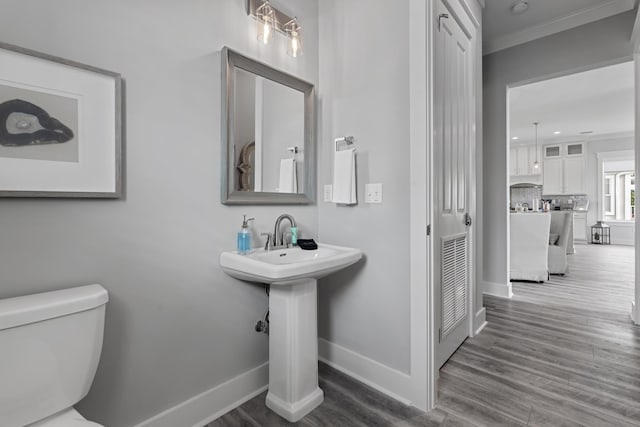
553 176
564 168
522 159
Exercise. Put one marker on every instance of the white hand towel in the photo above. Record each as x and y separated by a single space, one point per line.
344 177
288 176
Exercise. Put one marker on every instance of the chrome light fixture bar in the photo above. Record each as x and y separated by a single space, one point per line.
271 20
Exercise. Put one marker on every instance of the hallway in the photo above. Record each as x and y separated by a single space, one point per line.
563 352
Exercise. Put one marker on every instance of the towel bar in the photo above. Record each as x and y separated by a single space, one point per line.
346 139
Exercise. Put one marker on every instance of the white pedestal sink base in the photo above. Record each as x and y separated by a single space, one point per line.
293 350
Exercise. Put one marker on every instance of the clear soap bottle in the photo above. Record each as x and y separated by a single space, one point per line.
243 243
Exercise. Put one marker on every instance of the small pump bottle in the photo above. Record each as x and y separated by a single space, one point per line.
244 237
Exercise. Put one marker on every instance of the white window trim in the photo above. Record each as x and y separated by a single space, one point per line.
602 158
612 193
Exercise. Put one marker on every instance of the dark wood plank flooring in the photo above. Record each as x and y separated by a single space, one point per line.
560 353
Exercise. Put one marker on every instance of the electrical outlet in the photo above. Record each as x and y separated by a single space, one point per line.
328 193
373 193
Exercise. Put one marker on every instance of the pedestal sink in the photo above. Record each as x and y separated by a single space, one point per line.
293 321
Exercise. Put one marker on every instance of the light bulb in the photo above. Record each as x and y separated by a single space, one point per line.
294 45
266 32
536 165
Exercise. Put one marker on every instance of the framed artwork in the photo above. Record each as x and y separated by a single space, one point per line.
60 127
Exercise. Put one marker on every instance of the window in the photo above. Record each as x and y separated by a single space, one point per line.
619 195
609 195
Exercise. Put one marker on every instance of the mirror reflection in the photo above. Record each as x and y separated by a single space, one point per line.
268 135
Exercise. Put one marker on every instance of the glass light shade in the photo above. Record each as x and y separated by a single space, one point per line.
294 48
266 19
536 165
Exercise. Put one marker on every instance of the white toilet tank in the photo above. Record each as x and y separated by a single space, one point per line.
50 345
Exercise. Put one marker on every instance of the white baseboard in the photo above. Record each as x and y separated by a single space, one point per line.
479 321
389 381
213 403
499 290
634 314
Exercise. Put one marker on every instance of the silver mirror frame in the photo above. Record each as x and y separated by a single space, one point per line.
231 60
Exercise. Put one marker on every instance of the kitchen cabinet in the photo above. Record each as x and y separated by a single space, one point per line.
563 169
580 226
522 159
553 176
574 175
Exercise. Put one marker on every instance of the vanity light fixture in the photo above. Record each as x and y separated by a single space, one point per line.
293 32
270 20
267 22
536 164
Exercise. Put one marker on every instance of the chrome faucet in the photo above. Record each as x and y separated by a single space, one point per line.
278 237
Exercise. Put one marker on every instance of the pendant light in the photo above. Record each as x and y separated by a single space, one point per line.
536 164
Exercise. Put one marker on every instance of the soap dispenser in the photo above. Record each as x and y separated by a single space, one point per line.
244 237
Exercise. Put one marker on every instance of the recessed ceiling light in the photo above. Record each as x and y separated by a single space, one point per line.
520 7
557 132
515 137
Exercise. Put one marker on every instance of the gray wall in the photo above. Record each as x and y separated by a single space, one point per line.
581 48
176 324
364 92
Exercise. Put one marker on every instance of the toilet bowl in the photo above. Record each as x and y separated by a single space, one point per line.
51 344
67 418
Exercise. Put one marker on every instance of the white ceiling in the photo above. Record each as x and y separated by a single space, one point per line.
599 100
503 29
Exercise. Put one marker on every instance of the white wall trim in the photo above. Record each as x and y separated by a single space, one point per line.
636 58
576 19
479 321
500 290
213 403
423 393
389 381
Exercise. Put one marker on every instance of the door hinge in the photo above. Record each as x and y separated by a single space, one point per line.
440 17
439 334
429 230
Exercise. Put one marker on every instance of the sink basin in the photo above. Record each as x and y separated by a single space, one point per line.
284 266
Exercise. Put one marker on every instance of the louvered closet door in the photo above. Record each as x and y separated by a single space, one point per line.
453 108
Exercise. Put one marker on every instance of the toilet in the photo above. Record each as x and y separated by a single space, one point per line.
50 345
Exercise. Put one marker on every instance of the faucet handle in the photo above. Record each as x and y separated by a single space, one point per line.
269 242
284 238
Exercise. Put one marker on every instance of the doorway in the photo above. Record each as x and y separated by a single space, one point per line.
571 150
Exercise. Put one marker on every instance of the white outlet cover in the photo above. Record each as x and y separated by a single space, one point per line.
328 193
373 193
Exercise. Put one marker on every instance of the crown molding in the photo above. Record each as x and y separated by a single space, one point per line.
563 23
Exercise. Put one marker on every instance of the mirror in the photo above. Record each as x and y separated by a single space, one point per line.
268 134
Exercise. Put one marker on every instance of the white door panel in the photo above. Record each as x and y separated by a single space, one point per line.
454 115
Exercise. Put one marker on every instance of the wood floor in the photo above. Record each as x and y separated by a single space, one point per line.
560 353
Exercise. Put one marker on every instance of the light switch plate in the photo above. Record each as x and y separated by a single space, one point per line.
328 193
373 193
